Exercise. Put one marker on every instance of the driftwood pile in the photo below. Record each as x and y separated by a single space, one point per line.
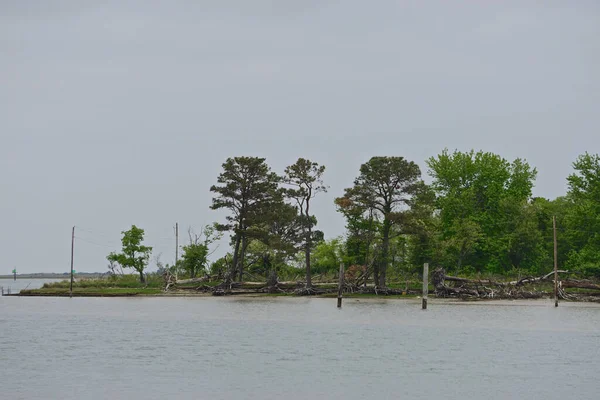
524 288
445 286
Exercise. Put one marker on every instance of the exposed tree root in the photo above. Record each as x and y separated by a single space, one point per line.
307 291
485 288
521 289
444 285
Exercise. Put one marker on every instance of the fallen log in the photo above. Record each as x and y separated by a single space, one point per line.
486 288
192 280
522 281
579 284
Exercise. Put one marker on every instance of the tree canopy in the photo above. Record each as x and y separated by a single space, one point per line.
478 215
305 181
246 187
482 200
385 187
134 254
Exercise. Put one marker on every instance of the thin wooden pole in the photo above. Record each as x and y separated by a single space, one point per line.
425 284
72 252
555 264
176 242
340 286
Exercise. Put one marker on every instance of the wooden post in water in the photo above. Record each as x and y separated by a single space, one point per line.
555 264
425 284
72 250
176 242
340 285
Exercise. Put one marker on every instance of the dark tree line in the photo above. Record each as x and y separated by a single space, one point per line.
269 210
477 216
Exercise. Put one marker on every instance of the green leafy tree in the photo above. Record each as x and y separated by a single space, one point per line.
544 210
305 179
134 254
583 216
277 238
328 254
421 228
385 186
195 254
220 266
362 226
246 187
481 198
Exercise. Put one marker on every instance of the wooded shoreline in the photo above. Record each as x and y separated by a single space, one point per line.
440 286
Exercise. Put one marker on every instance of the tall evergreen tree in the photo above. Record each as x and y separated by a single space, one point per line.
246 187
305 179
386 186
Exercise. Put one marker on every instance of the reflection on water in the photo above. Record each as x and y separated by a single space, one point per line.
296 348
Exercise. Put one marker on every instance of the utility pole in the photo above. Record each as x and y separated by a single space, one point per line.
176 248
72 251
176 242
340 286
555 263
425 286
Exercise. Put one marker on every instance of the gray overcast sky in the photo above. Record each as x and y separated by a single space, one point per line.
115 112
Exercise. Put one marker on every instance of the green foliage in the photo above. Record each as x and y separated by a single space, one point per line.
483 203
305 179
120 281
247 188
220 266
328 255
384 190
582 219
194 259
477 218
134 255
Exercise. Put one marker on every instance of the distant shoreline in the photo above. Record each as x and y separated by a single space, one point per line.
52 275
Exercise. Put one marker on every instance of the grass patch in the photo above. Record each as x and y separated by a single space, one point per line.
91 291
124 281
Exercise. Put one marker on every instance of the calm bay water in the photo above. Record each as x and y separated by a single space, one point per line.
22 283
296 348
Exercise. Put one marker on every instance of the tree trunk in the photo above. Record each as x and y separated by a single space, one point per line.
387 225
236 252
142 277
308 239
242 256
307 257
376 273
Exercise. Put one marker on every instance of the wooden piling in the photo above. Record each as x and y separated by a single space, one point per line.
425 284
340 286
555 263
72 250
